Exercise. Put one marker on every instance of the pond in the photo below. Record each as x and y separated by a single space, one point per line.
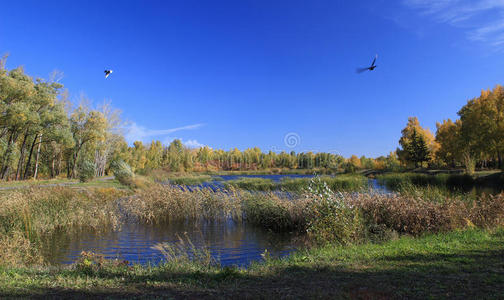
230 243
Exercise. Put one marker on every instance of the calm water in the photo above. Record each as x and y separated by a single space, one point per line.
230 243
218 183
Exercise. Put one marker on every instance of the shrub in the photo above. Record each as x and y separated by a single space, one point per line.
403 214
122 172
330 218
87 171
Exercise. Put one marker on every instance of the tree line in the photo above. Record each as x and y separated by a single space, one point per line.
178 158
43 135
475 140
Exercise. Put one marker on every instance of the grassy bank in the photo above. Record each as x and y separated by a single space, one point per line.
343 183
460 264
460 182
104 182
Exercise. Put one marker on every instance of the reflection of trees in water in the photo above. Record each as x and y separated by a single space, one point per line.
236 241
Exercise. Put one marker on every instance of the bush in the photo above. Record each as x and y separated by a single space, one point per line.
122 172
330 218
87 171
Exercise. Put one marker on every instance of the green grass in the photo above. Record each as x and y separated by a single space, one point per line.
343 183
97 182
191 179
460 264
251 184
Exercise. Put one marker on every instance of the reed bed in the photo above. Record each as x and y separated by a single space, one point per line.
410 214
342 183
273 212
26 216
165 203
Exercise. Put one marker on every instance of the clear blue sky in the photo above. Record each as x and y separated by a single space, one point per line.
246 73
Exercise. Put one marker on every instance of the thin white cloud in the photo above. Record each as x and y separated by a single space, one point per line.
135 132
482 20
193 144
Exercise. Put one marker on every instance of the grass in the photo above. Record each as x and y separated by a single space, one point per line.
251 184
97 183
460 264
180 178
343 183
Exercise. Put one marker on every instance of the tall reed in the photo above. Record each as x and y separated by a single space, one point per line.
29 214
164 203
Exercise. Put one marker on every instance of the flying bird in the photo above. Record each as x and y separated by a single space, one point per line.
371 68
107 73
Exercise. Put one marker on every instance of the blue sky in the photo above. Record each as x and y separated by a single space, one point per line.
247 73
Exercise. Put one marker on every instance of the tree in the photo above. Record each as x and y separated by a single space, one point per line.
482 128
418 144
448 135
87 127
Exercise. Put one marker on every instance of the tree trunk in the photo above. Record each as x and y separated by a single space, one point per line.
27 168
8 156
21 157
58 169
499 159
52 166
37 157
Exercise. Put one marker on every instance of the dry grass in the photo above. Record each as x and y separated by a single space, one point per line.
416 216
26 216
164 203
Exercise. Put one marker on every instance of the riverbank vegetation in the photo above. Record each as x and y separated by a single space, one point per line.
343 183
318 215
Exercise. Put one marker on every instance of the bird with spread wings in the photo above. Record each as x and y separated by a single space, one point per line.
370 68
